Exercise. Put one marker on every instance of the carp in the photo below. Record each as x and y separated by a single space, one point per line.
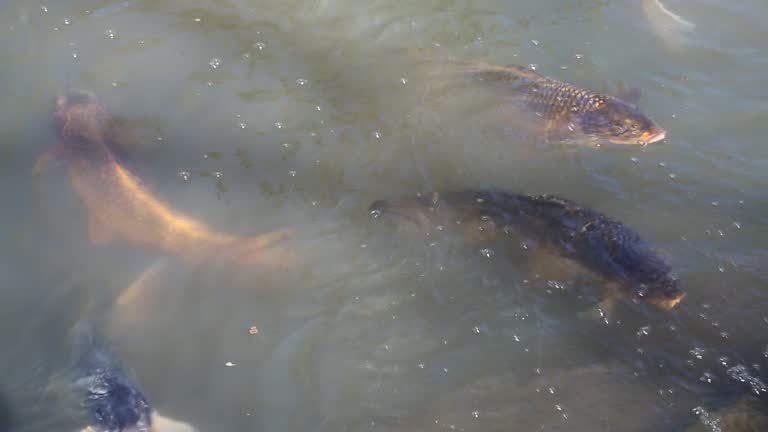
108 393
565 112
556 226
120 207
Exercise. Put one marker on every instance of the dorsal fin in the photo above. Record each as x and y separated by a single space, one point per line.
523 72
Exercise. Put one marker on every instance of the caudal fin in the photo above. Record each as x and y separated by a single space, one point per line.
267 250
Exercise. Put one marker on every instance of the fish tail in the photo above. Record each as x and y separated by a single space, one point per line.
677 18
265 250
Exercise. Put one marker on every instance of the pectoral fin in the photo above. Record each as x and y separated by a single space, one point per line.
52 157
99 232
605 310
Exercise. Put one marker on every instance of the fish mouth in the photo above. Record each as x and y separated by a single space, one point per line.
652 136
668 303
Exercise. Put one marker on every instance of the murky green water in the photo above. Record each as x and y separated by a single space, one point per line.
256 115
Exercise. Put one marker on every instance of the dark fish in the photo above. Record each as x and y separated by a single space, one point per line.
112 400
604 246
569 111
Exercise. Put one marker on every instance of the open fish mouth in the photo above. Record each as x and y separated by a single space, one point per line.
668 303
652 136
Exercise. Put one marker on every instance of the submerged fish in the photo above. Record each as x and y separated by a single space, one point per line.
607 248
119 206
671 28
112 400
109 394
567 111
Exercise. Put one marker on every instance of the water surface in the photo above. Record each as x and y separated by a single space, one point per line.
256 115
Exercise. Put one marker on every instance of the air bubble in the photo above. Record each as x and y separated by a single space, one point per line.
260 46
242 125
184 175
218 174
707 377
215 63
488 253
111 34
74 55
67 21
741 374
278 125
697 352
292 173
403 81
476 330
475 414
43 9
302 82
377 135
578 56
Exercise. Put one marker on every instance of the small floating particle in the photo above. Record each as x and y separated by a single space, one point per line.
253 331
229 364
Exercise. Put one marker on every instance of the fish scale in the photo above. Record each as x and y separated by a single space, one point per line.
568 111
553 99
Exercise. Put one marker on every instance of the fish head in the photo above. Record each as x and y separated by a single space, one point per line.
418 211
79 115
116 406
618 122
665 294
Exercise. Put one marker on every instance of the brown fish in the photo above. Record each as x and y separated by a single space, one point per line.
120 207
568 111
558 226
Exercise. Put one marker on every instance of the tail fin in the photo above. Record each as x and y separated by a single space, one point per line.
263 250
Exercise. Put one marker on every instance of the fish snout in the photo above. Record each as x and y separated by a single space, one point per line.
654 135
668 303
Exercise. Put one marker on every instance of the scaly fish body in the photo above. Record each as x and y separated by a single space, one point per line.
568 110
120 207
604 246
108 393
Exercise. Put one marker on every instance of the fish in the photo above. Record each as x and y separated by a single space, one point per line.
559 227
568 112
121 207
112 400
108 392
672 29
